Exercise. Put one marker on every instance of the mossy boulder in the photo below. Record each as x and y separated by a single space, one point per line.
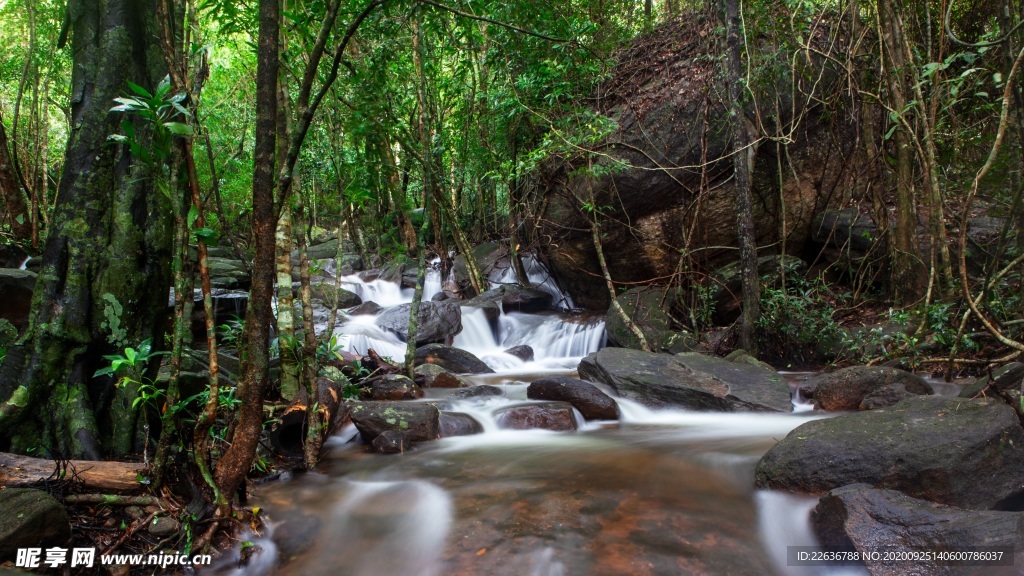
649 309
965 453
415 421
31 518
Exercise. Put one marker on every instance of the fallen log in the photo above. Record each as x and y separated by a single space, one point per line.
288 435
122 477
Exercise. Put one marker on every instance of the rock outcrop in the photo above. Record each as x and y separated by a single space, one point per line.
965 453
688 380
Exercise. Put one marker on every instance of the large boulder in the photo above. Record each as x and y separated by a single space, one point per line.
555 416
1006 382
330 294
30 518
451 359
459 424
482 392
513 299
439 322
688 380
847 388
649 308
584 396
391 387
663 118
871 520
415 421
966 453
16 287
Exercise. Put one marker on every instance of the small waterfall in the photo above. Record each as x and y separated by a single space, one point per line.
361 333
537 275
380 291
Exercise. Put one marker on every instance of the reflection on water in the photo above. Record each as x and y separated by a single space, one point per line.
672 495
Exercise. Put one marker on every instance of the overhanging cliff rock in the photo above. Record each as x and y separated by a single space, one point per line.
671 210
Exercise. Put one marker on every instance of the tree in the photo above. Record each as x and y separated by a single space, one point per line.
105 275
743 166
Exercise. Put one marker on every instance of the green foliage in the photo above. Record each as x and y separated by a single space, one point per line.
231 331
112 311
158 111
130 367
798 315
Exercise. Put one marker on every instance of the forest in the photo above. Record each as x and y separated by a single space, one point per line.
423 287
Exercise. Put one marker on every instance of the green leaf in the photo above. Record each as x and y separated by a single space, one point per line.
139 90
207 235
193 214
178 128
131 354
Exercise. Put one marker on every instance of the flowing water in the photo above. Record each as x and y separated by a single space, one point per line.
657 492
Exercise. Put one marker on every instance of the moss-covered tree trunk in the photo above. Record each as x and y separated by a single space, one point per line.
106 263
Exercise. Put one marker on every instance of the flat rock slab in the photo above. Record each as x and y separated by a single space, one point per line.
867 519
689 380
966 453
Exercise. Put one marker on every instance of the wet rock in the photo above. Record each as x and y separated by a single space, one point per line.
16 287
391 442
726 283
519 299
459 424
330 294
429 372
227 273
449 380
863 518
555 416
439 322
163 526
418 422
391 272
688 380
847 388
31 518
886 396
513 299
392 387
370 308
523 352
451 359
966 453
485 391
584 396
369 275
648 307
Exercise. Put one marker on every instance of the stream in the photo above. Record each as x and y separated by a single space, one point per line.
658 492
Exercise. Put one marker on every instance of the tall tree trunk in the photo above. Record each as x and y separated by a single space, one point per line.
743 161
106 264
10 189
907 273
252 385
